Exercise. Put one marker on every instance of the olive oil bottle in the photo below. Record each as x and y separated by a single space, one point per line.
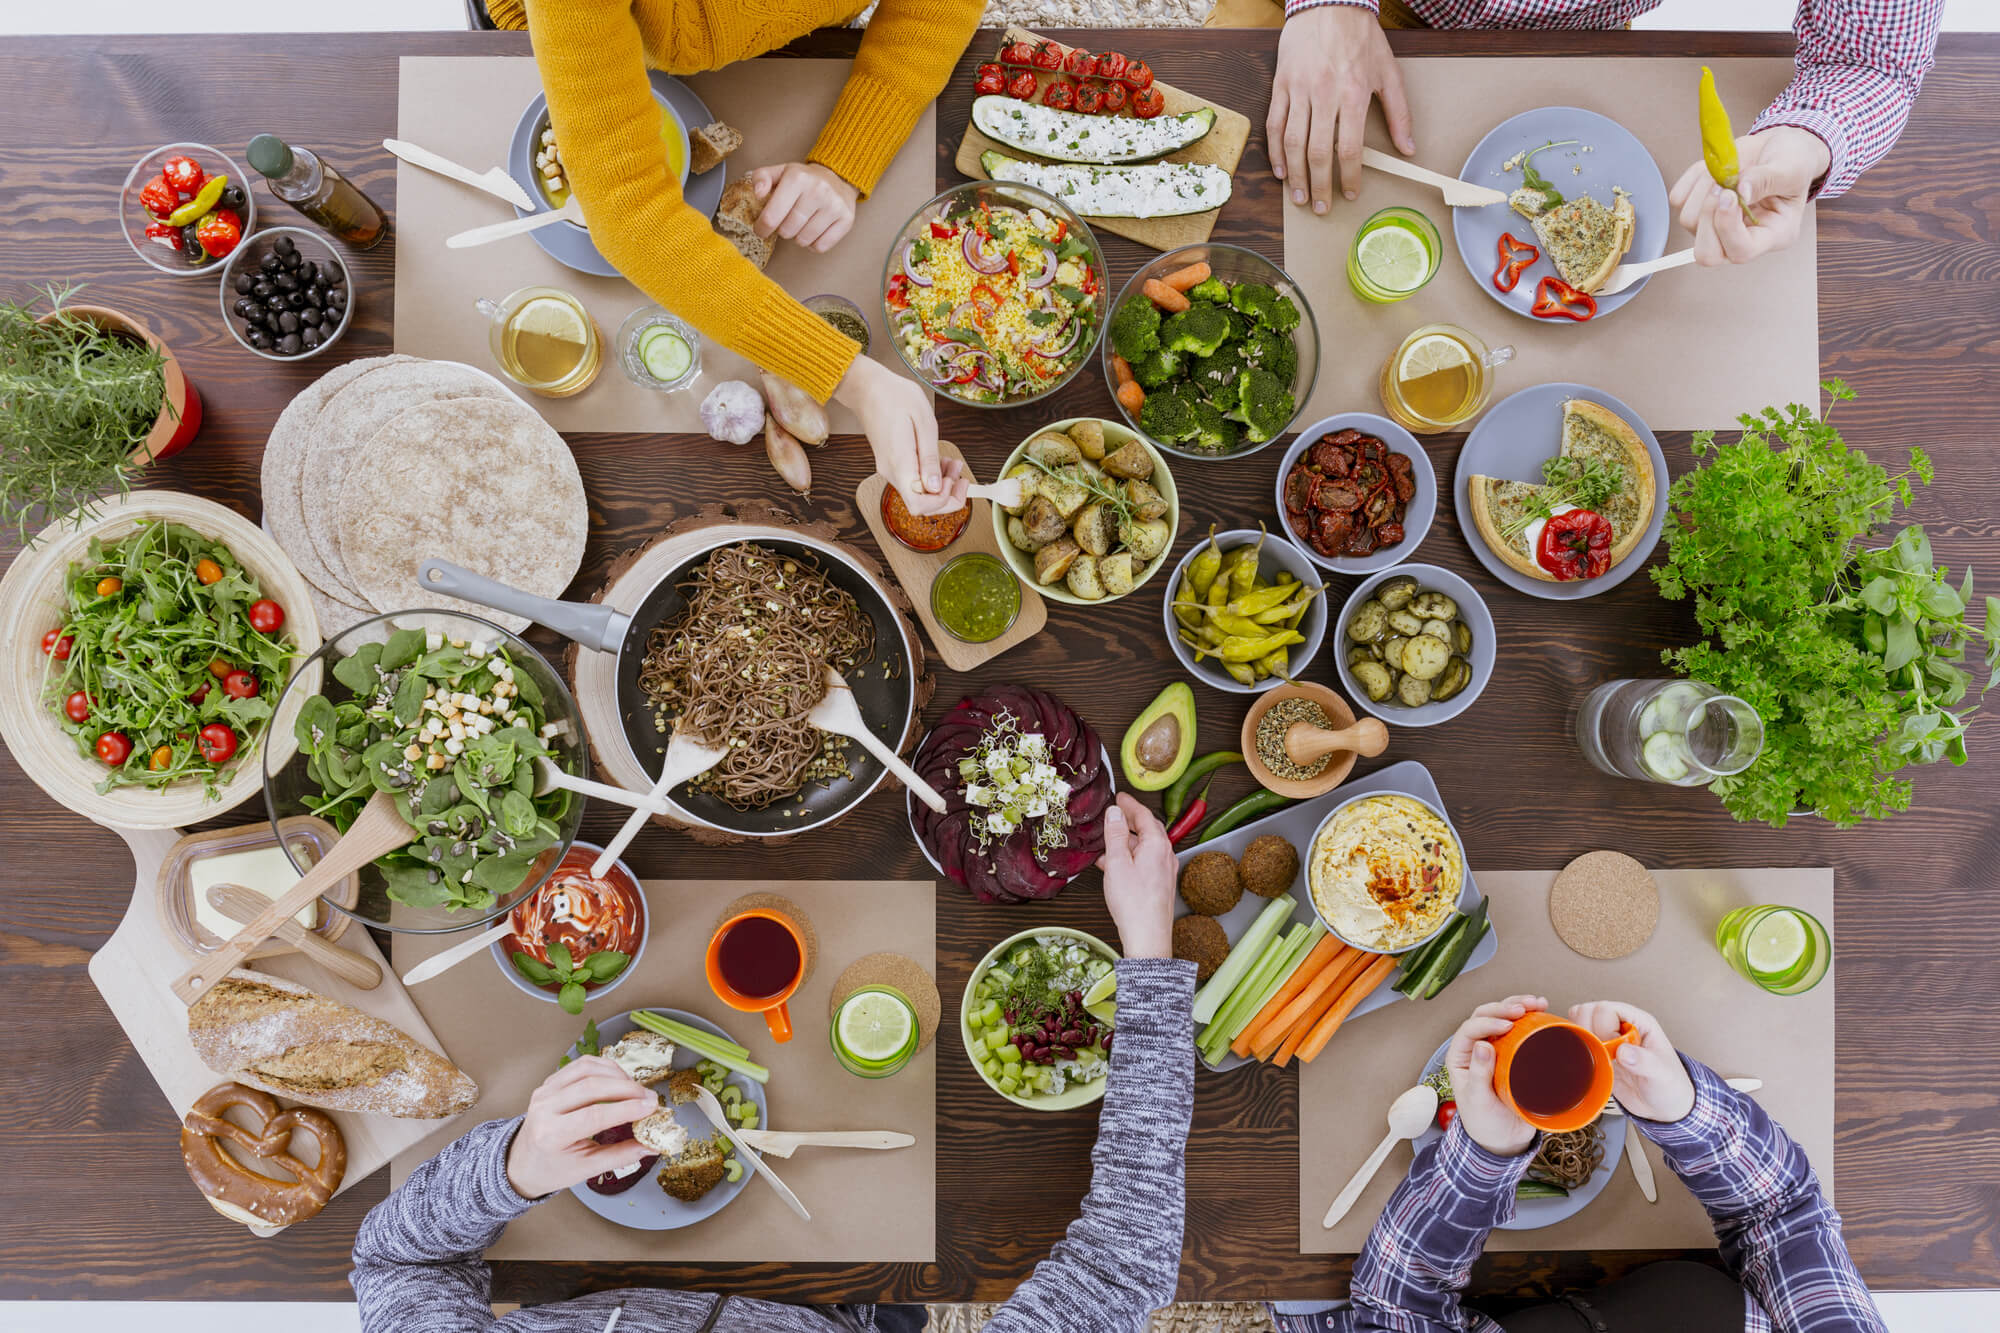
302 179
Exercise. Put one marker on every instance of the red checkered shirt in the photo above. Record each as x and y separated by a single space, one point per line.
1860 62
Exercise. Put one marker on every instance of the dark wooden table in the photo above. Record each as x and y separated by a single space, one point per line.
1910 311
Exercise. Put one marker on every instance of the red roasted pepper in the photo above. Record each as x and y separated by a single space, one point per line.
899 291
158 198
1555 298
1575 545
1515 255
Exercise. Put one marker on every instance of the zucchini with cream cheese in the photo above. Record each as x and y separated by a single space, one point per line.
1148 190
1069 136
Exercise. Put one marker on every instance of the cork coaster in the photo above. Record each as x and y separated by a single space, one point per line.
771 902
1604 905
892 969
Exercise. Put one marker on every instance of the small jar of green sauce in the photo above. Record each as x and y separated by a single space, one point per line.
976 597
843 315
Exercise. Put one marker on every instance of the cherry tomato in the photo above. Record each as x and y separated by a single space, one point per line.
1111 65
77 707
240 684
266 616
1447 1112
1048 56
1017 53
1147 103
991 78
1022 86
1090 99
109 585
113 748
219 668
158 198
1138 75
57 644
218 743
199 696
1080 63
1061 95
184 174
1114 98
162 760
207 571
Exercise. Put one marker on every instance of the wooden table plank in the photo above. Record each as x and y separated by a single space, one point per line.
1910 315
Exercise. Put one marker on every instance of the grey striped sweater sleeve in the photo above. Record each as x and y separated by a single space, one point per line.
1121 1259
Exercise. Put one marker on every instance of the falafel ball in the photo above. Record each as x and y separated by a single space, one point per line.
1269 866
1210 884
1201 940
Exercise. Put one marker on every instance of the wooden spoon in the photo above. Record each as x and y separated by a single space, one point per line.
243 905
1409 1116
838 713
686 758
1006 492
378 831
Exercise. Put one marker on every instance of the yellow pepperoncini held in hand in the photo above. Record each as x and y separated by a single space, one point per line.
1718 142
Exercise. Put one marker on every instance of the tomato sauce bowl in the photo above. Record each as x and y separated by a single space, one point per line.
587 916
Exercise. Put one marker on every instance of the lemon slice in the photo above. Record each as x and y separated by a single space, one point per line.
875 1026
1776 944
1097 1000
1430 354
1394 259
551 319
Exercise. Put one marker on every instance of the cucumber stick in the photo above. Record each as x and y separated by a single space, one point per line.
1245 953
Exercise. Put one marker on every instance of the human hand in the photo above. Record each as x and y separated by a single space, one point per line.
1776 171
1139 877
896 417
805 203
553 1149
1493 1125
1331 61
1647 1077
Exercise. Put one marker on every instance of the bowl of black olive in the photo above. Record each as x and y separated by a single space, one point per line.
286 294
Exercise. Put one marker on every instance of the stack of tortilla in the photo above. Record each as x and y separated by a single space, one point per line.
385 462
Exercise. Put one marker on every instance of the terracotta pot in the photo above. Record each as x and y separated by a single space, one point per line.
180 412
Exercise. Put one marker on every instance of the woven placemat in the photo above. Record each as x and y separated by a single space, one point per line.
772 902
906 975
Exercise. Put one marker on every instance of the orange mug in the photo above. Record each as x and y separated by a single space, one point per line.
756 960
1571 1083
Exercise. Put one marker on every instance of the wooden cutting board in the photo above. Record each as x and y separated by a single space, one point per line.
1221 147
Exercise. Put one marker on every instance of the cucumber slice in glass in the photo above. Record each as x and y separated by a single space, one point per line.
665 354
1662 757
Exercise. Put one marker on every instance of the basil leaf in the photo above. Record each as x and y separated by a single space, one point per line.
532 968
605 964
571 997
559 957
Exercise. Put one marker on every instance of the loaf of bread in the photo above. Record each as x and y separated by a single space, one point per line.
276 1035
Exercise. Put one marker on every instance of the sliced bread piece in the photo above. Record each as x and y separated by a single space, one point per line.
736 219
662 1133
646 1056
710 144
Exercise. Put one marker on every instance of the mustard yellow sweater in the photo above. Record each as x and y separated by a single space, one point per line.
593 56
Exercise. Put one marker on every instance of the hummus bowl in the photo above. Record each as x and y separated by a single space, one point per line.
1385 871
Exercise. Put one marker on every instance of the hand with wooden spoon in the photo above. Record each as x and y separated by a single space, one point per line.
243 905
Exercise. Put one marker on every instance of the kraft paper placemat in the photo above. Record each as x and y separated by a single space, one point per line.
1693 350
1712 1013
466 107
866 1205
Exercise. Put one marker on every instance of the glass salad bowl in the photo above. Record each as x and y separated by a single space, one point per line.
477 853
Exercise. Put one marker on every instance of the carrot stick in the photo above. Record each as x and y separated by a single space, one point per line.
1286 1038
1130 396
1165 297
1121 369
1191 276
1354 995
1323 954
1329 978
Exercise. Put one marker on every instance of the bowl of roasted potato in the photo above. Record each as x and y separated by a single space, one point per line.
1415 646
1097 515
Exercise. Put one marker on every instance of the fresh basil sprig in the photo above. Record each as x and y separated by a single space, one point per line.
569 975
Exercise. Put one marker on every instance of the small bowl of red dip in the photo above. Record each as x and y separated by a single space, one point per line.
579 914
921 532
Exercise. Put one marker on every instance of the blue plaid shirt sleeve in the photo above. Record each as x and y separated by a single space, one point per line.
1779 1235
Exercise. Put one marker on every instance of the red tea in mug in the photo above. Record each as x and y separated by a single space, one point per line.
758 957
1552 1071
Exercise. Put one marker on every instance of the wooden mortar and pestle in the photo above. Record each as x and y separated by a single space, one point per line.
1305 744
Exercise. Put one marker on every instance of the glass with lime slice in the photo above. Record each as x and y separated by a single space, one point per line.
1394 254
874 1032
658 350
1782 949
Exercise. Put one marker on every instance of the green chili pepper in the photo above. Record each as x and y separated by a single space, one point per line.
1201 569
1197 769
1278 662
1242 672
1243 648
1262 599
1243 578
1236 626
1253 806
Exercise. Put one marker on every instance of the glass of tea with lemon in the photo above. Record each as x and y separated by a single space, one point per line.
1439 378
545 341
1394 254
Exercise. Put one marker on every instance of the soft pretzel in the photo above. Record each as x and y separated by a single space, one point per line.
248 1196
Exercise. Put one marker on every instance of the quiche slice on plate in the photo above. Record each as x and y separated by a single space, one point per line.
1589 431
1585 240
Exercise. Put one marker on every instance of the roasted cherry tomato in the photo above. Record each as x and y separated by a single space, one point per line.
109 585
991 78
1022 86
219 232
1090 99
162 759
1114 98
266 616
1576 545
113 748
240 684
218 743
57 644
1447 1112
219 668
1049 56
1061 95
1079 63
184 174
1111 65
1017 53
1138 75
1147 103
158 198
162 233
206 571
77 707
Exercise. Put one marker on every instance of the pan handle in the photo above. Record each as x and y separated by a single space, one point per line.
590 624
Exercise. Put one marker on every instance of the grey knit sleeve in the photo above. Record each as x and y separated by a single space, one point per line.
1121 1259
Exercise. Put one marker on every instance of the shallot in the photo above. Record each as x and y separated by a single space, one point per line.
796 411
733 411
786 456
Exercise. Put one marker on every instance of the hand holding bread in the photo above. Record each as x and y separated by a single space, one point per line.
555 1146
804 203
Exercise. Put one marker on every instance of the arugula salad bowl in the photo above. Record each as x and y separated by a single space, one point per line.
453 725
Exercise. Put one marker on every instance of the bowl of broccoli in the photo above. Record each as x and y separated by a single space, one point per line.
1211 351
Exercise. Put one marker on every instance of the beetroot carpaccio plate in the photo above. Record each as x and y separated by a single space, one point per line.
1010 869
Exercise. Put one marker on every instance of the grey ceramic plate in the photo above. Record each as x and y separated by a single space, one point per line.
1510 442
1297 824
645 1206
1471 608
1417 515
1614 158
570 244
1534 1214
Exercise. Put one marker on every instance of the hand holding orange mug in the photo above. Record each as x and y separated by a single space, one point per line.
1555 1074
756 960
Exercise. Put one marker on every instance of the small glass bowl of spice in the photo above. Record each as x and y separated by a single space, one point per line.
845 317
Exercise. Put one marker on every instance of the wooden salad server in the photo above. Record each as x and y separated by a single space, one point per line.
1626 274
783 1142
378 831
686 758
838 713
571 211
243 905
1457 193
1306 743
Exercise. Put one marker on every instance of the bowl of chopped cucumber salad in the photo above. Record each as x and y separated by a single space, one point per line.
1039 1017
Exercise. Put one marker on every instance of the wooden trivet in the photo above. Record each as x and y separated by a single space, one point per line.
593 676
892 969
773 902
1604 905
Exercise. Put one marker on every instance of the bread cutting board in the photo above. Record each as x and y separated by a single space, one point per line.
1220 147
138 964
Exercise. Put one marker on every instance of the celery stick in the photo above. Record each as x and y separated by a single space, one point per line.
1268 923
1263 981
1241 1019
704 1044
1273 954
667 1027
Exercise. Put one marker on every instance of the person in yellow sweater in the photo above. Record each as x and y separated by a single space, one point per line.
593 56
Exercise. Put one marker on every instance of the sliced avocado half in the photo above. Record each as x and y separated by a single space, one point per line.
1160 741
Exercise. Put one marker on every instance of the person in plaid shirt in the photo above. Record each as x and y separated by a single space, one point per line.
1860 63
1779 1236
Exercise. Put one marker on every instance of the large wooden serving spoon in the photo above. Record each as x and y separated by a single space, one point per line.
378 830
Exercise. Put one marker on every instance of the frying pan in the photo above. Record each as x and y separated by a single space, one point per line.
887 696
